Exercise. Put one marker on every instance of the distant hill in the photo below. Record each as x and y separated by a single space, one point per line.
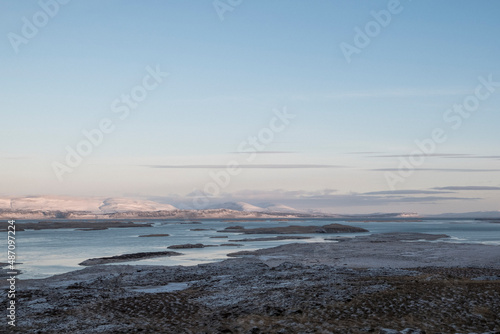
279 208
237 206
247 207
50 207
125 204
471 215
63 207
87 204
41 207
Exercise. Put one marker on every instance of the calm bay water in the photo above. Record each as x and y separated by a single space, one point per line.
47 252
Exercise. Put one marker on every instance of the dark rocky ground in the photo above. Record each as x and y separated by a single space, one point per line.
271 292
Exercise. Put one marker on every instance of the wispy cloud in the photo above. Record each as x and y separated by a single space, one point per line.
460 170
363 199
272 194
327 198
267 166
446 155
266 152
435 199
467 188
408 192
363 153
436 155
471 156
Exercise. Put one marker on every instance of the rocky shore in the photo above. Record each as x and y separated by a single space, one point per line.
126 258
188 246
388 283
281 237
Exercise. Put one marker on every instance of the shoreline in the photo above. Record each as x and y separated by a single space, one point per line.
340 287
245 242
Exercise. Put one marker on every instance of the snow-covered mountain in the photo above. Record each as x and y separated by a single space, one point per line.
4 203
53 203
269 207
37 207
50 207
408 215
125 204
237 206
94 205
247 207
65 207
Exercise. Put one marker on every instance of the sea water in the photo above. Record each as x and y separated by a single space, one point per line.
44 253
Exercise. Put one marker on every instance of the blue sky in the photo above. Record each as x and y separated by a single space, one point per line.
226 80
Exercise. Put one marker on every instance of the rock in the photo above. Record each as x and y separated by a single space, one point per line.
242 253
237 227
404 331
403 236
486 278
412 331
339 239
272 238
388 331
274 311
92 229
126 258
302 289
190 246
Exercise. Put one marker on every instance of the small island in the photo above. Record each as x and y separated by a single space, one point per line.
126 258
78 225
187 246
331 228
281 237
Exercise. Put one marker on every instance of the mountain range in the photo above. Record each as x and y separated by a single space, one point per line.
49 207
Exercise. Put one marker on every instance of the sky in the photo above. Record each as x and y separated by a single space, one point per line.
338 106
